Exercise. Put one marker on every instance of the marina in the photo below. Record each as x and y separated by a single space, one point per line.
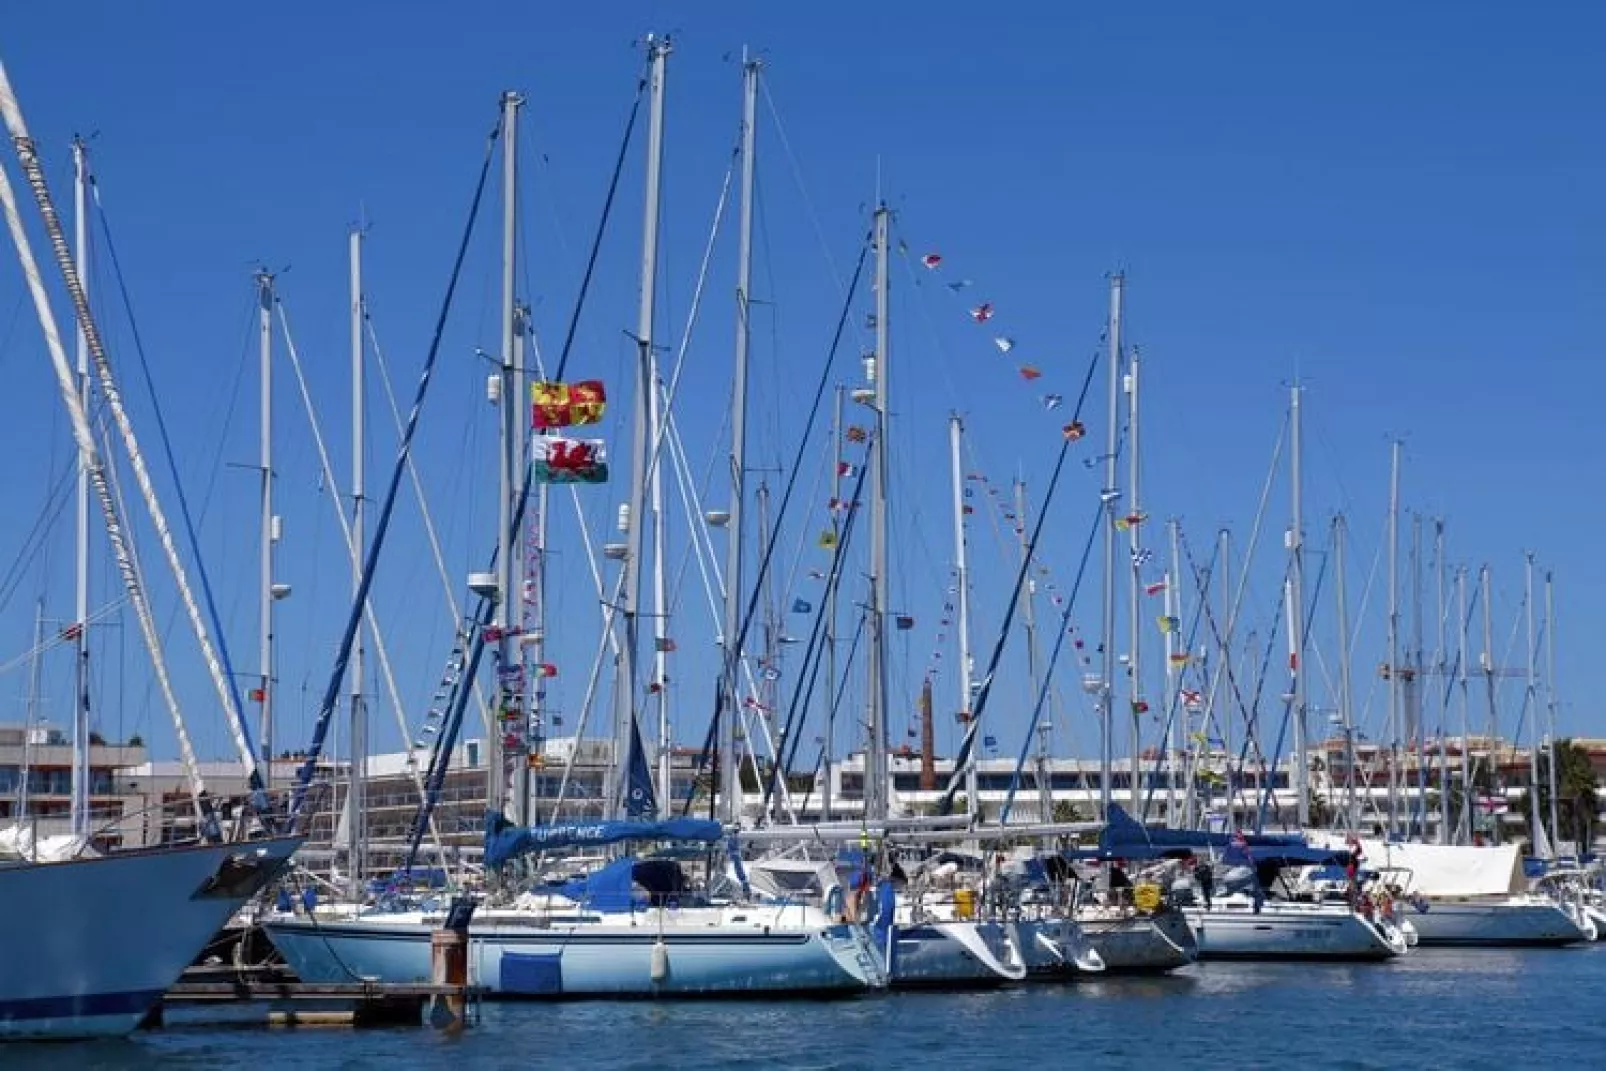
670 584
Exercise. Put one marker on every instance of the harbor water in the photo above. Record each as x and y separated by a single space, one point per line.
1432 1008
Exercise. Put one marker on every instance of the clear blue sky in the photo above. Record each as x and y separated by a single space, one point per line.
1400 206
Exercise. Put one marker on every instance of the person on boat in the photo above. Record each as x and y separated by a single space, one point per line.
1120 884
1207 881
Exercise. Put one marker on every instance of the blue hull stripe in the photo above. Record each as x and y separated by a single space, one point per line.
90 1005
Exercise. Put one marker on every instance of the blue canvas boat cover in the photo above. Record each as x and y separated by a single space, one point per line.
505 841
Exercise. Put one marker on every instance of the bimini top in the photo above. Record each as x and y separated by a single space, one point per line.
1124 836
505 841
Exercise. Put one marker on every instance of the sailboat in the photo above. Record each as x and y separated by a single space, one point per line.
95 940
1463 894
636 925
1262 908
632 927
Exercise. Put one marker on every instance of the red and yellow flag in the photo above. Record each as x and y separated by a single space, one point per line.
559 405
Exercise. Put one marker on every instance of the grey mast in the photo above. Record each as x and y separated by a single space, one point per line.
1112 496
630 593
731 720
875 757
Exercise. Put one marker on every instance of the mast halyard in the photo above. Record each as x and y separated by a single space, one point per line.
1112 496
730 790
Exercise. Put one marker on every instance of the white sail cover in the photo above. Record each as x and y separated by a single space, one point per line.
1449 870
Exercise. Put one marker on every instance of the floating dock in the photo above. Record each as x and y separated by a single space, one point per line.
276 1001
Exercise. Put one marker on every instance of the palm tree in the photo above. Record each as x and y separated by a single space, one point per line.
1577 804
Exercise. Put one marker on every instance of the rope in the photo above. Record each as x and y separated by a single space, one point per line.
326 708
115 532
232 704
968 744
352 553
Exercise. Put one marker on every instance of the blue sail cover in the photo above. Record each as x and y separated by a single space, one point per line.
639 799
504 841
1123 833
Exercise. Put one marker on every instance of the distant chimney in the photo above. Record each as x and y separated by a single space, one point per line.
928 741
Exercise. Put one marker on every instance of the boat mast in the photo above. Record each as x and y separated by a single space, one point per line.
1442 676
1530 706
875 755
962 602
1550 701
357 820
1393 734
1411 686
31 715
829 692
1463 829
1488 675
1134 613
1175 665
1224 673
1296 584
1112 497
265 687
630 594
1045 728
80 734
731 782
83 435
1346 710
530 591
512 410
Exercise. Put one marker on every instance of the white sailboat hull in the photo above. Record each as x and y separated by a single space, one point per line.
1140 944
1291 931
942 953
1515 921
705 952
91 945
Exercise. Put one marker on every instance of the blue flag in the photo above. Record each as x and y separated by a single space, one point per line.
802 606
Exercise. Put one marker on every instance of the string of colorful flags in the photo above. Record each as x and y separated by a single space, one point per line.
983 313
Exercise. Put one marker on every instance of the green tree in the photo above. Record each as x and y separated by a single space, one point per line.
1577 803
1066 811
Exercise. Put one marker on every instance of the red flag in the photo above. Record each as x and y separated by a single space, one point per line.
982 313
1029 372
1074 431
931 260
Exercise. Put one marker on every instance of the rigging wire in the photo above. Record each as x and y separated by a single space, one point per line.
326 707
